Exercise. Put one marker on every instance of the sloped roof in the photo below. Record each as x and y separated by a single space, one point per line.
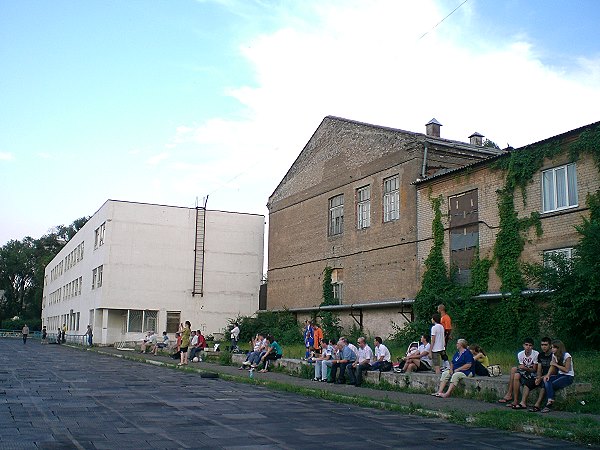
419 137
505 153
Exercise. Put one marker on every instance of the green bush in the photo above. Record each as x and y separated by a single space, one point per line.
282 325
18 324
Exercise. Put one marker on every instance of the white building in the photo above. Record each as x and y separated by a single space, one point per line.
136 267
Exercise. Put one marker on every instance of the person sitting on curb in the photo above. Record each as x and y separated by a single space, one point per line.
328 363
256 342
522 374
346 357
362 363
560 375
161 345
196 346
273 353
419 361
383 357
460 367
544 360
149 341
482 362
320 367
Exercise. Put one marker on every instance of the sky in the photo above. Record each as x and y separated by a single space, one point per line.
169 102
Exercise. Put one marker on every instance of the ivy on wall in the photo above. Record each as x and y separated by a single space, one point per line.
515 316
330 322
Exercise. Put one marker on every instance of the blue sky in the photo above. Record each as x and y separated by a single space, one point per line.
169 101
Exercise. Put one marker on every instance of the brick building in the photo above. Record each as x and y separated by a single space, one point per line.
557 192
349 202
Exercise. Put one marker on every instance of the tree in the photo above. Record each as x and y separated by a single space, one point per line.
575 302
22 265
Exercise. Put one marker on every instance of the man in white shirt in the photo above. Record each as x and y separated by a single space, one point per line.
326 355
235 335
149 341
527 369
383 357
419 361
438 344
362 363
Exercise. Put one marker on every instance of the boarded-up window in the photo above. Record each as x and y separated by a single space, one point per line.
464 233
173 320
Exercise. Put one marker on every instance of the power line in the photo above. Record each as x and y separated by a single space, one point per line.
435 26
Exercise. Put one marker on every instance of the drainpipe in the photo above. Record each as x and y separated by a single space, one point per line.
426 146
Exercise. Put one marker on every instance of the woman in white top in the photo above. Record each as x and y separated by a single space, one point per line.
560 374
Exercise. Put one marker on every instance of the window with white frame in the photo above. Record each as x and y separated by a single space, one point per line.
552 258
99 235
100 269
337 282
559 188
363 207
336 215
94 277
138 321
391 198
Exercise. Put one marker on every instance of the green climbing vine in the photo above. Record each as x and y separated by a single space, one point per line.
329 321
436 284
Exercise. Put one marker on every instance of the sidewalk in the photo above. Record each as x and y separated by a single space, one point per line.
426 402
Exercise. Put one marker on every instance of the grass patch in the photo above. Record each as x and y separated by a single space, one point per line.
583 430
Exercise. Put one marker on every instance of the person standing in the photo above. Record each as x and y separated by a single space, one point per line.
309 338
446 322
89 335
64 333
44 335
25 332
317 338
438 343
235 336
186 332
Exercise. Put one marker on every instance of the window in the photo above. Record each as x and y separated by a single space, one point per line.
363 207
99 235
134 321
173 321
336 215
150 320
94 278
337 282
559 188
463 212
138 320
391 199
553 258
100 276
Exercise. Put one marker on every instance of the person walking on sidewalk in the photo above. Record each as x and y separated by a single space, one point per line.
25 332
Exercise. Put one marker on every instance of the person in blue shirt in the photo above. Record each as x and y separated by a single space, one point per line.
346 357
274 352
460 367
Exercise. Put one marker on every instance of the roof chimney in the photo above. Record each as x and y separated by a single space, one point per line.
476 139
432 128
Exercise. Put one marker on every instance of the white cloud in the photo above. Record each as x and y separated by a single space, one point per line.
5 156
367 61
156 159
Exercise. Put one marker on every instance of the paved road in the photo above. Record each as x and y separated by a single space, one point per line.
56 397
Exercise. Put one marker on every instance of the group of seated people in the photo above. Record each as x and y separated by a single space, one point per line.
548 370
150 340
342 357
264 350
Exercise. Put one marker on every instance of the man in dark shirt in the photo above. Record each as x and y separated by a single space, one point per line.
544 360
